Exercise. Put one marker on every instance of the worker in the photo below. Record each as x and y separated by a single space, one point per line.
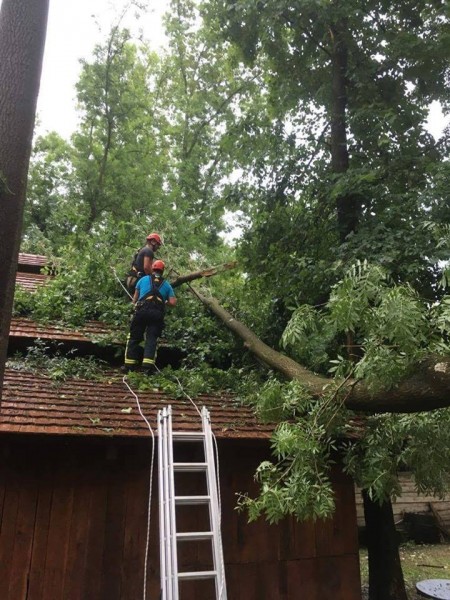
153 293
142 261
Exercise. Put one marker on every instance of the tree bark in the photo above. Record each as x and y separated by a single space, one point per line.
347 204
385 569
209 272
23 25
426 390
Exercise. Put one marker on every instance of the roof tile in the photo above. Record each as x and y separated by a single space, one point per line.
35 404
36 260
26 328
30 281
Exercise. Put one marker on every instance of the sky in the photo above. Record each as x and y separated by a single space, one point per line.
75 27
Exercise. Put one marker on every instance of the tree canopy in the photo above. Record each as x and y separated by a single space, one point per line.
304 123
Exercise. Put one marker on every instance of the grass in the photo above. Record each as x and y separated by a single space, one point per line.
419 562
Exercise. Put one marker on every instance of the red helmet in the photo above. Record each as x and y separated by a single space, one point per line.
158 265
154 236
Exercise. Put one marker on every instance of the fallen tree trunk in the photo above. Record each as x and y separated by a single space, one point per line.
203 273
427 389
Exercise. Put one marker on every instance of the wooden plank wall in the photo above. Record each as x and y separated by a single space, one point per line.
73 516
410 502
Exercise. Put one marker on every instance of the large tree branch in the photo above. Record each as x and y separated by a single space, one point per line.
427 389
209 272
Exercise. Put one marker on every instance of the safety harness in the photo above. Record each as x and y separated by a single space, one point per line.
133 268
134 274
153 298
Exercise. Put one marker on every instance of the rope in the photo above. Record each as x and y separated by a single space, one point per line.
147 543
183 392
153 455
123 287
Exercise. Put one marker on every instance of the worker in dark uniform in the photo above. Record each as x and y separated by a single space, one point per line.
153 293
142 261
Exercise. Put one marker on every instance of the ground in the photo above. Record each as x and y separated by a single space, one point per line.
419 562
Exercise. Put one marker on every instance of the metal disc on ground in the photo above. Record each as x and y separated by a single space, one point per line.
438 589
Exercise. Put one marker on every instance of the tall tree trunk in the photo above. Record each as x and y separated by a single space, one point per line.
385 572
347 204
23 25
385 569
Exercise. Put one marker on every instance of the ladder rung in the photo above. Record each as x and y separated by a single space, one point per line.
188 436
192 467
194 536
197 575
192 499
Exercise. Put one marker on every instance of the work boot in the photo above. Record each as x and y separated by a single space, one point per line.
149 369
128 368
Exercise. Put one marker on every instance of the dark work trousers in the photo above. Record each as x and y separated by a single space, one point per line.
148 321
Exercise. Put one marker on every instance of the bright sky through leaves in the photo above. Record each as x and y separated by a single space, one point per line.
74 28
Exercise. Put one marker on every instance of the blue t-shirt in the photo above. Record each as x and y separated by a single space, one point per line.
144 285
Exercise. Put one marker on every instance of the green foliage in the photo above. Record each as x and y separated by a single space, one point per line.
391 330
235 118
202 379
304 446
371 327
48 359
419 442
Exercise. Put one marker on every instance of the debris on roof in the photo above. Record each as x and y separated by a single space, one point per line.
36 404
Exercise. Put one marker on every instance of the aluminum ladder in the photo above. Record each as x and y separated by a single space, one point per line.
168 502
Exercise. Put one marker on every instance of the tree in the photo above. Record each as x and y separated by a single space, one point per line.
49 214
22 36
313 415
364 71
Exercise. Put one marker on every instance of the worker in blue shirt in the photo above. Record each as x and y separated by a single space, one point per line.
153 293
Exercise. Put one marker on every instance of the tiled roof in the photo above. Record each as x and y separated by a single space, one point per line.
26 328
35 260
30 281
34 404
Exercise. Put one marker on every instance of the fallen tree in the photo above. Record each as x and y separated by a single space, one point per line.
209 272
427 389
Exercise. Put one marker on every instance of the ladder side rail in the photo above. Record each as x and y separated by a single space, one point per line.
162 528
221 592
171 507
165 507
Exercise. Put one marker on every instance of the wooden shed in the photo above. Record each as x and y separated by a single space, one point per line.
75 497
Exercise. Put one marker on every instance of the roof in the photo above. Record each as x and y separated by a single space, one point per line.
26 328
36 404
30 281
34 260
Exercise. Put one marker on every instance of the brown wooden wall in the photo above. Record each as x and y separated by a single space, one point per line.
73 516
411 501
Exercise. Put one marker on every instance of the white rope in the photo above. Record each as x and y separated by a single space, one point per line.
183 392
118 279
149 507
